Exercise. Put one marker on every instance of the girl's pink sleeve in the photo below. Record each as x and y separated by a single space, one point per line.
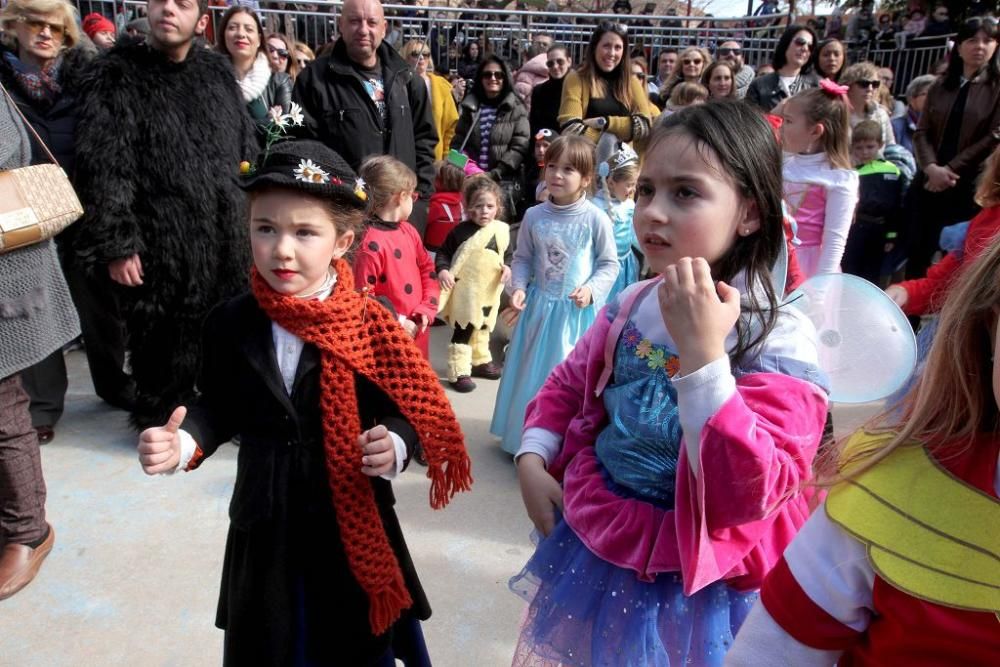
744 505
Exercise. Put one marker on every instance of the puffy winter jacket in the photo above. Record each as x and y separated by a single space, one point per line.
508 139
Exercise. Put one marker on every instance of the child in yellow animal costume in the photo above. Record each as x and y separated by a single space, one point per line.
472 267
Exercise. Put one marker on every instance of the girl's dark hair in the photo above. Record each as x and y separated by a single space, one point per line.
477 85
449 178
956 66
738 139
220 33
834 76
780 59
619 78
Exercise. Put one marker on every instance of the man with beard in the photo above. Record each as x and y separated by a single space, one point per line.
731 52
363 100
161 136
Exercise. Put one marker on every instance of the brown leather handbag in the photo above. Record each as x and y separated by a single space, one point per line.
36 202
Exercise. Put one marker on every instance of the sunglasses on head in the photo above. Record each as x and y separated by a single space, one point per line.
555 61
282 53
496 76
691 61
802 41
37 25
868 83
728 51
420 54
611 26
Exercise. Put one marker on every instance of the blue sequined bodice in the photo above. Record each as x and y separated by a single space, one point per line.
640 445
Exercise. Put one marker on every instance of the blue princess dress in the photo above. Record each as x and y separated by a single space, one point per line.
559 248
621 213
586 611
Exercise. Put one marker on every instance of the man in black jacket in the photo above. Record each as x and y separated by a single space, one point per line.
162 131
363 100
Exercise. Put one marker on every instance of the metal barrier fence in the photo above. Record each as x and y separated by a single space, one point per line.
509 33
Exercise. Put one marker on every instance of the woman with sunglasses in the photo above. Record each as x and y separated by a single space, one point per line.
301 56
240 38
602 95
41 60
690 66
417 55
959 127
494 132
278 49
863 86
792 74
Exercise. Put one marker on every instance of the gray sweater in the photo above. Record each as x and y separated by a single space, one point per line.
37 315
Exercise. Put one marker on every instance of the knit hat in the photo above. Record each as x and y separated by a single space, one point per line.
309 166
95 23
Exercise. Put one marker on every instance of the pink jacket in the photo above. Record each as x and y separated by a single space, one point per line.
730 522
530 75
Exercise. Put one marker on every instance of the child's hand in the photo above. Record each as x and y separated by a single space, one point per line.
421 321
898 294
582 296
160 446
378 452
446 279
505 275
540 491
517 300
699 313
510 316
410 326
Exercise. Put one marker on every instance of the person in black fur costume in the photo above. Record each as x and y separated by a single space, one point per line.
161 135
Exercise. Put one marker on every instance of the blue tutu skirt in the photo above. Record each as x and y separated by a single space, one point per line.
585 611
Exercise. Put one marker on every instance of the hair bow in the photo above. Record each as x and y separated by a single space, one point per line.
832 88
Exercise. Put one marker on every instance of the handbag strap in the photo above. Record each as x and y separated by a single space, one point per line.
28 125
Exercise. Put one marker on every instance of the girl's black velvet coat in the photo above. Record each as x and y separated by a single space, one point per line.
286 583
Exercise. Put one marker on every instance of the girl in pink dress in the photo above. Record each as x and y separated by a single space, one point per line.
820 185
662 461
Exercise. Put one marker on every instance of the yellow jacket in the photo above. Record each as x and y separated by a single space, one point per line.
445 114
576 98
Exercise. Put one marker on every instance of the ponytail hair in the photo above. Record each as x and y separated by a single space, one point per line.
828 106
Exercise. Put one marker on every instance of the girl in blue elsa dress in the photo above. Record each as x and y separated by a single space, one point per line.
617 178
563 269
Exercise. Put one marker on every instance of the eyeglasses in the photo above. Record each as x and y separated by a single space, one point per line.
802 41
420 54
282 53
38 25
639 74
611 26
867 83
727 51
496 76
691 61
555 61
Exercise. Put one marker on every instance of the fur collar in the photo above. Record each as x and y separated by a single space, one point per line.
256 80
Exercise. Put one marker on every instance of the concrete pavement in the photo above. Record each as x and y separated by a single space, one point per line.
133 578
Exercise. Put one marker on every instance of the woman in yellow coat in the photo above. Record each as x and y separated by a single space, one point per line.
603 95
443 108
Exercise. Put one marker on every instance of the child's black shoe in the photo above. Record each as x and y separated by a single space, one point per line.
463 385
489 371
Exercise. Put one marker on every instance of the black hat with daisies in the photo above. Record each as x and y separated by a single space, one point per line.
305 165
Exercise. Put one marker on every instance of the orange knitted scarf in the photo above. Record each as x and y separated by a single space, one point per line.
355 336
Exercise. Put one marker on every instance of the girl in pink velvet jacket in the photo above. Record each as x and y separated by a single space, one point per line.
662 461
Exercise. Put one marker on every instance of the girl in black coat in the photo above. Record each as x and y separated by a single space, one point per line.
316 569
